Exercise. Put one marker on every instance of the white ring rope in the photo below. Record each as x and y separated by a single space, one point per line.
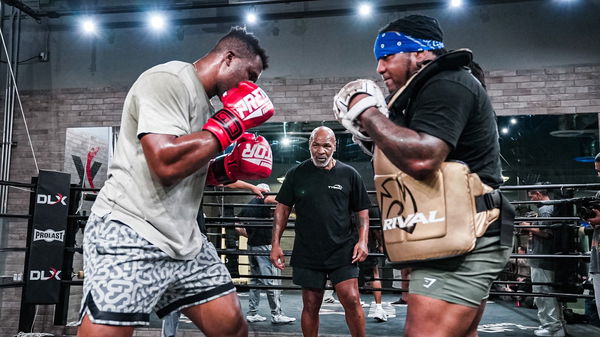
12 75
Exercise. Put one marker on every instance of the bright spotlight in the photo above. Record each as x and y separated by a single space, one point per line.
364 9
88 25
286 141
251 18
504 131
157 21
513 121
455 3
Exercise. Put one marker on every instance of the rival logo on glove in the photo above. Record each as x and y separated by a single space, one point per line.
256 103
258 155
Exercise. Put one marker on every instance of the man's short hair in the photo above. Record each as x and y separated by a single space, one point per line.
243 43
542 191
597 158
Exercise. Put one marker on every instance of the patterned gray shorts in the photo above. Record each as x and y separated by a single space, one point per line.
127 277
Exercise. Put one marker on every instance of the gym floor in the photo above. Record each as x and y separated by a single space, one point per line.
500 319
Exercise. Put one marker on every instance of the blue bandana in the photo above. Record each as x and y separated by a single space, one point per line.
390 43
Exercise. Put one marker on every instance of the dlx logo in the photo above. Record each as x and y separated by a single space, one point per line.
47 199
44 275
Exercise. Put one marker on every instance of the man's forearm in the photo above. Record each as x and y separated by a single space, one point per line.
415 153
173 158
280 219
240 184
363 226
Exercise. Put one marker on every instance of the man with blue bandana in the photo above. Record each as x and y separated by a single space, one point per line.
447 117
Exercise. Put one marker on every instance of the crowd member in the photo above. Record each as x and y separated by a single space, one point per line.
259 240
550 314
402 277
328 294
595 251
143 249
325 192
446 115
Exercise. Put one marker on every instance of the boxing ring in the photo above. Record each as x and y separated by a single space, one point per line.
55 224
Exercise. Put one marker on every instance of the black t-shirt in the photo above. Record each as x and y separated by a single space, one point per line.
324 201
454 107
257 236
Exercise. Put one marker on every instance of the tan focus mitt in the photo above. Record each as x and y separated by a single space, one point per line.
430 219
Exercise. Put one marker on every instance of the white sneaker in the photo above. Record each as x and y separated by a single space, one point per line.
552 333
380 315
255 318
282 319
329 299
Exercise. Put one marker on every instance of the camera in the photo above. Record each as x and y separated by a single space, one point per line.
586 207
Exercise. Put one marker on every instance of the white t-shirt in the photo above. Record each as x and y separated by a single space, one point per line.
166 99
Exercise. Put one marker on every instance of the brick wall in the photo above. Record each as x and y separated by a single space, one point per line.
559 90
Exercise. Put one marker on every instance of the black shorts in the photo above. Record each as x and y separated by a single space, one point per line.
316 278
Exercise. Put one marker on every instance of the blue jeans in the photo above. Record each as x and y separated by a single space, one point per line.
169 324
261 265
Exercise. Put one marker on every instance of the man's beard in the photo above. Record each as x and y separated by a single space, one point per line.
320 164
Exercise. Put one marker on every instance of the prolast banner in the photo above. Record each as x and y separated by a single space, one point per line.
47 238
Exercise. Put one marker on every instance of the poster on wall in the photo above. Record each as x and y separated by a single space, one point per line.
88 152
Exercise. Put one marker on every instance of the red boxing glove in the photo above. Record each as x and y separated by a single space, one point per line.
244 107
250 159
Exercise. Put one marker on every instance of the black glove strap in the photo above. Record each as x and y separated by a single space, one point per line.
218 168
230 122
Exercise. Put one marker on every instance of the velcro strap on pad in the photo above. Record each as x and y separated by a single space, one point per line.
488 201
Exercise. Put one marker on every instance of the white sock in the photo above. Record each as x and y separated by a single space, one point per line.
378 306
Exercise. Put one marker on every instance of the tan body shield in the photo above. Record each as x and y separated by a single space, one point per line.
433 218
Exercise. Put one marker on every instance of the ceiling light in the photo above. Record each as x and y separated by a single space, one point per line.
504 131
88 25
364 9
251 18
455 3
513 121
286 141
157 21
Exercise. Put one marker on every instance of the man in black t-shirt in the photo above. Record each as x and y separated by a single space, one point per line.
325 193
259 240
595 249
447 116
